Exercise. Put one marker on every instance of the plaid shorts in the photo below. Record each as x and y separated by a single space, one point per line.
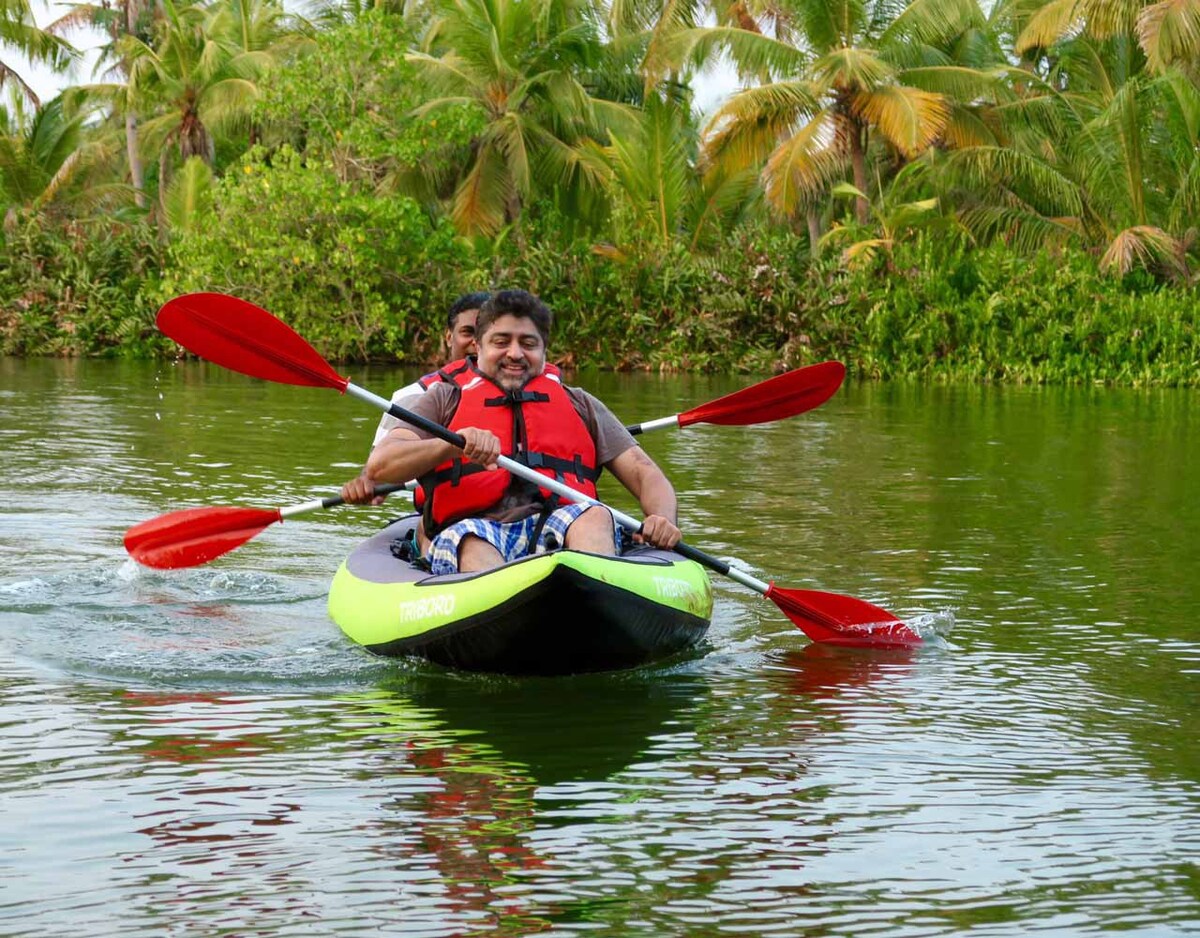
512 540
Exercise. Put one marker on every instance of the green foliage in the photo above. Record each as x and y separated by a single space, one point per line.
938 311
994 315
79 288
189 195
349 98
359 275
1063 193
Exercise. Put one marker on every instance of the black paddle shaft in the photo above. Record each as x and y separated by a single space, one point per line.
334 500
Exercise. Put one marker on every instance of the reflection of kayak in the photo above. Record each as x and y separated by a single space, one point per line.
561 612
548 730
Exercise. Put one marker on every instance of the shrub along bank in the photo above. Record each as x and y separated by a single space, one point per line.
367 278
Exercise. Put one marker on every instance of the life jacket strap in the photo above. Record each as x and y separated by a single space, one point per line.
513 398
559 467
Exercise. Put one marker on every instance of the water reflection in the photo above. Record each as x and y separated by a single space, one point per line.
446 783
823 673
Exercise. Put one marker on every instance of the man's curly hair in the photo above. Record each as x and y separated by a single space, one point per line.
519 303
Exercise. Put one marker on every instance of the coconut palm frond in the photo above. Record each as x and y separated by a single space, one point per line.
1113 147
1086 67
1021 229
1050 23
586 164
986 169
959 83
507 137
1169 34
751 123
448 74
437 104
804 168
81 16
1040 118
189 196
752 52
968 127
859 68
479 202
931 21
613 116
631 16
723 199
1181 103
909 118
1185 204
18 30
1145 246
1109 18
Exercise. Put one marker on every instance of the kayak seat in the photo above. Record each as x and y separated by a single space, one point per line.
405 548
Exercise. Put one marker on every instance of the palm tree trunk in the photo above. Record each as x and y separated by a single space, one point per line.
858 161
814 233
512 212
136 176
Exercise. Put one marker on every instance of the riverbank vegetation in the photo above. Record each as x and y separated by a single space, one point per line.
946 190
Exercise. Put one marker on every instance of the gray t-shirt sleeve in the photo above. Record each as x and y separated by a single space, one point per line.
612 439
437 404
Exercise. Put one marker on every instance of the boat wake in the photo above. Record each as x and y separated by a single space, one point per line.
204 627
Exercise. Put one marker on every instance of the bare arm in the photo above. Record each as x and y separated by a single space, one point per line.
654 492
403 455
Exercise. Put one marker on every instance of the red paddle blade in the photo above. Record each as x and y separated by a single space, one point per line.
245 338
777 398
195 536
842 620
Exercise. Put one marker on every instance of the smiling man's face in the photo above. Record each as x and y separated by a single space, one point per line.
511 351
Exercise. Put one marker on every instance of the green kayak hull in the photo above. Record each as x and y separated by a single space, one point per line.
562 612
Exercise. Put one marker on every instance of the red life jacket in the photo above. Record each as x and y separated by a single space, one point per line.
537 425
459 372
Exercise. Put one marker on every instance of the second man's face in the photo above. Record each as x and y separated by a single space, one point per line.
461 338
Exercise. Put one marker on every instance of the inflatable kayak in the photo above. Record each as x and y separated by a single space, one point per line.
561 612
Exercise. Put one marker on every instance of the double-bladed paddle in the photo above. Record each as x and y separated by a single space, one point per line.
194 536
243 337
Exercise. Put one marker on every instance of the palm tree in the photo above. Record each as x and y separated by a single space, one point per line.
1168 31
190 74
1098 142
652 171
517 64
834 75
128 18
44 157
20 32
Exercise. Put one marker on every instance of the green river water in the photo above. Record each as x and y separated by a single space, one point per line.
202 752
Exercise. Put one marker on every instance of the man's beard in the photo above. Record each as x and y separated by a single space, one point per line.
511 380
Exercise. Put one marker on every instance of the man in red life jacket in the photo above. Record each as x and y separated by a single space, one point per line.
479 515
